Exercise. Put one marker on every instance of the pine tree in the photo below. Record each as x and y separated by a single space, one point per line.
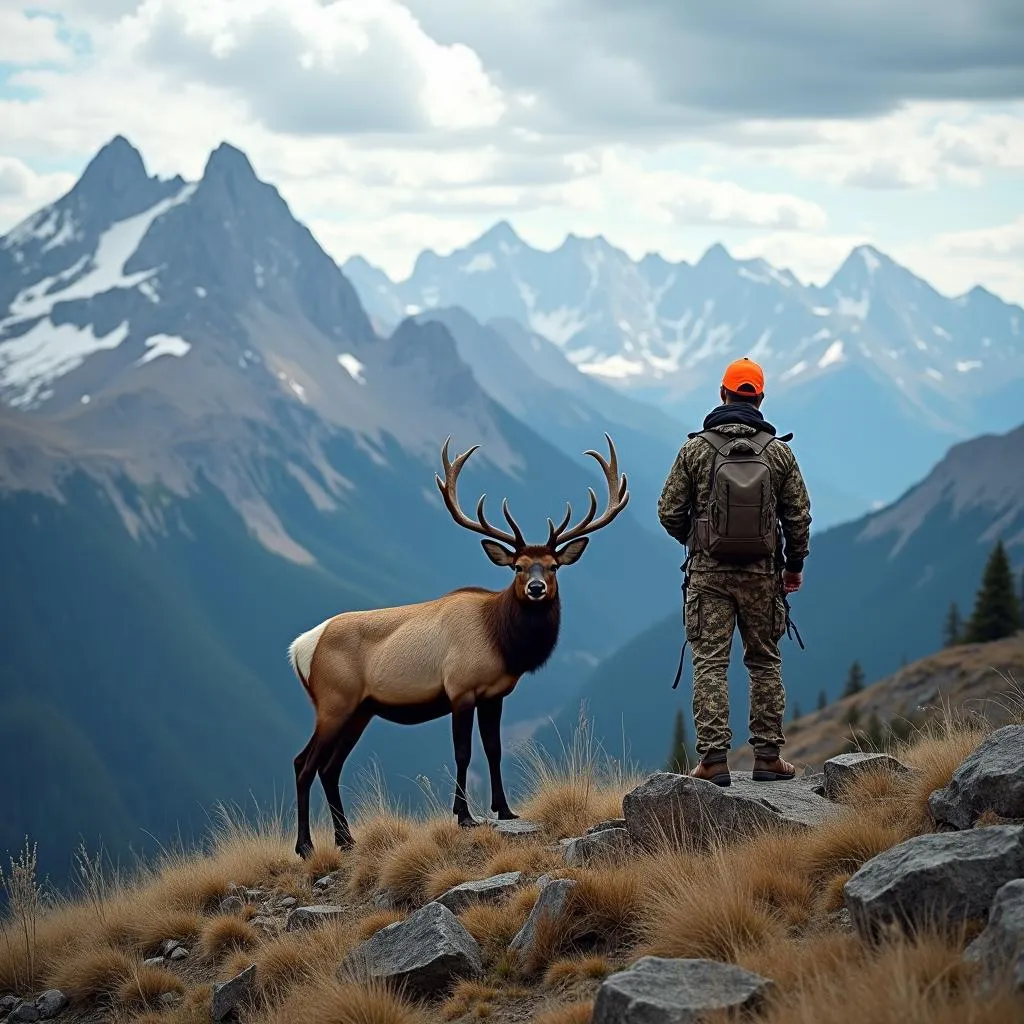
679 757
797 713
953 627
854 680
996 609
822 700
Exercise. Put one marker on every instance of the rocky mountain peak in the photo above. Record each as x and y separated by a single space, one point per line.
116 168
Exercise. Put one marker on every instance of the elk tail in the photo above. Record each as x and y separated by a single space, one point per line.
300 654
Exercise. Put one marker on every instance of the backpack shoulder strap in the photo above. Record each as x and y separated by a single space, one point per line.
713 438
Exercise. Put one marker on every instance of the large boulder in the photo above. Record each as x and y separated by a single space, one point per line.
999 949
656 990
685 810
313 917
946 877
841 770
228 995
426 953
549 907
991 779
484 890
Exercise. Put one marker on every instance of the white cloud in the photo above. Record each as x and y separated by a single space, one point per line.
29 40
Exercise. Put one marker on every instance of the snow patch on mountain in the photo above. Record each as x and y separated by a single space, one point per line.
35 359
833 354
353 367
164 345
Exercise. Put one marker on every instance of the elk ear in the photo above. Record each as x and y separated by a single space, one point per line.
497 554
572 551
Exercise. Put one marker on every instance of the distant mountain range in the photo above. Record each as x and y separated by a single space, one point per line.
206 448
876 590
874 360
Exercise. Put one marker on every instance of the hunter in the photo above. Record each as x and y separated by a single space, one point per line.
736 499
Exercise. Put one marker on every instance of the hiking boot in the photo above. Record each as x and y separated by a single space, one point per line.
772 770
718 773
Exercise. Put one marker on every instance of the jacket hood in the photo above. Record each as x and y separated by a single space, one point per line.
737 419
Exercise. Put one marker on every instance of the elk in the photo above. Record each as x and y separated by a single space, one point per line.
457 654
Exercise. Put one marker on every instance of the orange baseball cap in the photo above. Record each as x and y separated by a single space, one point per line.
744 375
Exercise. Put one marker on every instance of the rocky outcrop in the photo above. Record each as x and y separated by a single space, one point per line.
606 844
517 827
685 810
549 907
841 770
657 990
999 949
485 890
50 1004
229 994
991 779
426 953
601 826
943 878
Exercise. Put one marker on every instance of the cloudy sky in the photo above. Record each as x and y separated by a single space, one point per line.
793 129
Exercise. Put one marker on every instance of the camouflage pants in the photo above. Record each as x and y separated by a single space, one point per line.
715 603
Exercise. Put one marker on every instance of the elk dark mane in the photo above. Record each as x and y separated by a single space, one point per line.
524 634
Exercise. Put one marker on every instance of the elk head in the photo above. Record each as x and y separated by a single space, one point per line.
535 565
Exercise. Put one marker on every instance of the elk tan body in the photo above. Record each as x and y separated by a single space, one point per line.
458 654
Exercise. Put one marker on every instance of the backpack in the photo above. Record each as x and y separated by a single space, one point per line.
740 523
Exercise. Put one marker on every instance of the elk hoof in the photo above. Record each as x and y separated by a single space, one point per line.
468 822
507 814
304 849
345 841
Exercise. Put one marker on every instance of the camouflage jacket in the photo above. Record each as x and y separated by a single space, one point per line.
685 496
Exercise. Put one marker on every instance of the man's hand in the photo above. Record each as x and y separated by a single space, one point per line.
791 581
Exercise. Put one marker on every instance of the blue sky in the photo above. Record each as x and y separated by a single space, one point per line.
792 131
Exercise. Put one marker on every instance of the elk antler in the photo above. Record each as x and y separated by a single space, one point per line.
618 497
447 487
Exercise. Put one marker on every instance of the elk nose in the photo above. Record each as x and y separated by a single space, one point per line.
535 589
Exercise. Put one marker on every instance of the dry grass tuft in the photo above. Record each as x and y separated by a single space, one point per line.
93 973
571 1013
468 997
330 1001
572 970
142 991
494 925
843 842
908 981
193 1009
226 933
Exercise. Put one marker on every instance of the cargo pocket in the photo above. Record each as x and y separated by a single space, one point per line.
692 614
778 618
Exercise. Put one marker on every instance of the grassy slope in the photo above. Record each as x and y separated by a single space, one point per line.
768 904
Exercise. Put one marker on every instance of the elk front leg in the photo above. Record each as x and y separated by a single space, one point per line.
462 739
489 712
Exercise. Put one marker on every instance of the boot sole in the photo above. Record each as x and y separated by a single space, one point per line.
762 776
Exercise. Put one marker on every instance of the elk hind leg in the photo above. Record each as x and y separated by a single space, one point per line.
489 720
462 740
330 774
307 764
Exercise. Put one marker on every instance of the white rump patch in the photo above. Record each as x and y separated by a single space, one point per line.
300 650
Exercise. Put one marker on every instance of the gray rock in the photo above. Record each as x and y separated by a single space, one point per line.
602 825
517 827
990 779
51 1003
604 845
227 995
688 810
8 1003
153 961
999 949
844 768
814 781
312 917
486 890
657 990
288 902
426 953
24 1013
944 877
178 953
232 905
325 881
264 921
255 895
168 946
168 1000
550 905
385 899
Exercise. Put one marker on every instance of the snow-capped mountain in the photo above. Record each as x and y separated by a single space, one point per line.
667 328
